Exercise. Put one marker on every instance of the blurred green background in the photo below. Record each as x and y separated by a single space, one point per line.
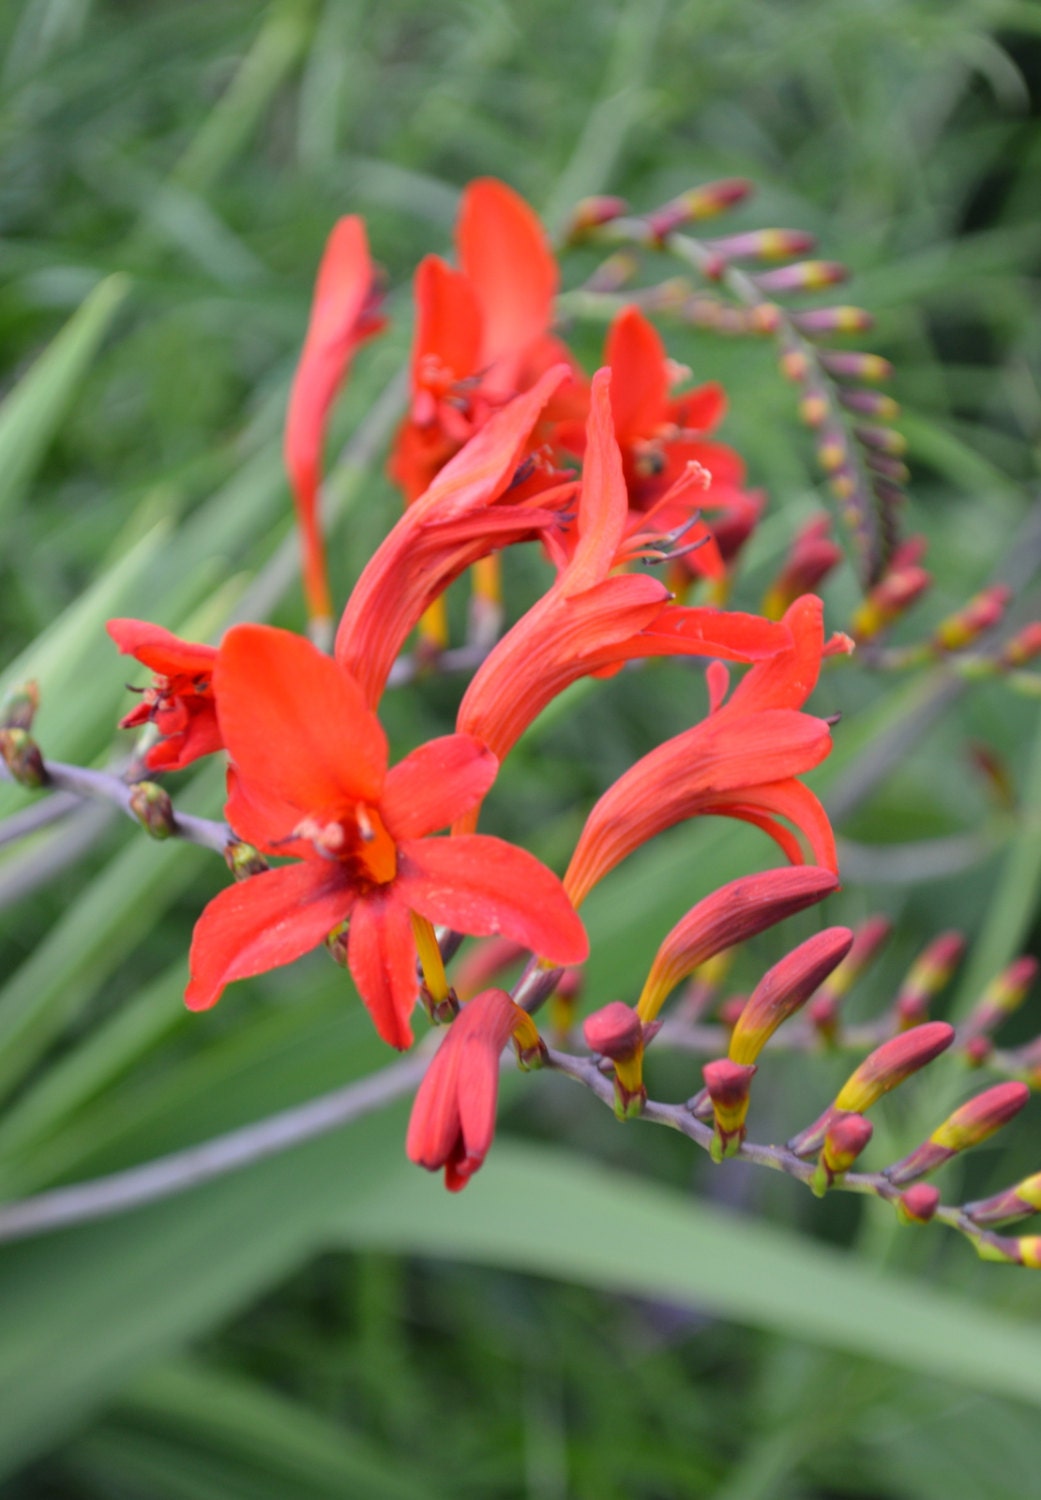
602 1314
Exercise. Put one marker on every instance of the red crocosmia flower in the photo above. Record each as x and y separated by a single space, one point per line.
482 331
480 501
180 700
660 435
343 315
453 1117
741 762
311 779
590 622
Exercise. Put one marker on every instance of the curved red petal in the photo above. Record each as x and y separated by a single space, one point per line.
788 799
505 254
482 885
263 923
448 322
436 784
381 955
787 679
640 376
340 321
701 409
161 650
295 723
603 507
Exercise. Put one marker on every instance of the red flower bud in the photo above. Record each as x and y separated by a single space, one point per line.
784 988
728 1084
918 1204
974 1122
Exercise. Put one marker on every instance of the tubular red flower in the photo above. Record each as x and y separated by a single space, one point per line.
456 521
740 762
453 1117
179 701
589 622
311 780
784 988
343 316
482 332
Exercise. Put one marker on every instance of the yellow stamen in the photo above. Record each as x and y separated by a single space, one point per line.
431 962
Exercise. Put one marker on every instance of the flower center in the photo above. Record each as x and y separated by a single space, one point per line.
359 839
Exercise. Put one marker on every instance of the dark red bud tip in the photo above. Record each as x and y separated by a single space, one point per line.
590 213
919 1203
21 755
152 808
977 1050
728 1082
616 1030
19 706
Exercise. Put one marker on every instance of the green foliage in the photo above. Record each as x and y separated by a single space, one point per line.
329 1322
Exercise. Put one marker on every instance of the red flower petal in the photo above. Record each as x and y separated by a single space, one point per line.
603 507
700 409
295 723
481 885
160 650
640 375
381 955
263 923
341 319
436 784
448 323
505 254
789 799
787 679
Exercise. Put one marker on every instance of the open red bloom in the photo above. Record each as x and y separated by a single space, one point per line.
453 1117
311 780
180 700
343 315
590 622
482 331
742 762
660 435
479 502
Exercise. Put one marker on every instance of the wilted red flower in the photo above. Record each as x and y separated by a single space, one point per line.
311 780
740 762
453 1117
344 314
179 701
477 503
482 331
589 621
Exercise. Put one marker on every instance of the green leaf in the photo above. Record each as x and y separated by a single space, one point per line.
34 410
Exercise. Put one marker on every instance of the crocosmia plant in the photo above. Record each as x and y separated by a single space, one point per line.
561 520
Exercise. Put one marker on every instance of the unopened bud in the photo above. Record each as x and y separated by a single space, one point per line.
1017 1202
591 213
811 558
867 940
832 449
21 755
833 320
881 439
151 806
1002 997
729 1086
981 614
882 1070
1024 1251
804 276
846 365
813 410
243 860
700 203
918 1204
794 365
975 1122
615 272
995 772
927 976
784 988
765 317
888 601
1024 646
19 706
729 916
846 1138
874 404
763 244
617 1032
893 469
